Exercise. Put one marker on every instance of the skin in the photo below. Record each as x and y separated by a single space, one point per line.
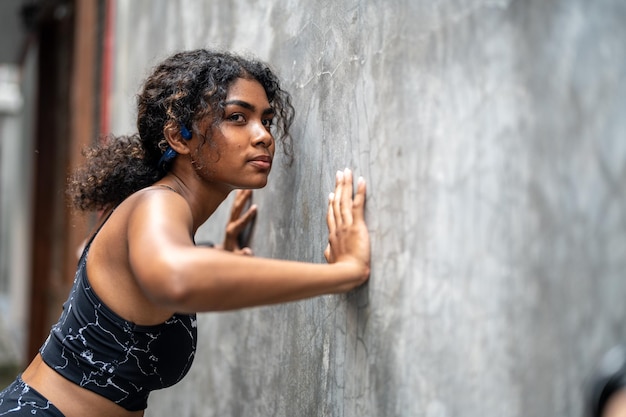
616 406
144 265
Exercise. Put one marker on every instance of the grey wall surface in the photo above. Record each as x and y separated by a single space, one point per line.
492 136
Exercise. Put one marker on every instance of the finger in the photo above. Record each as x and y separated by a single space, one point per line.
248 215
337 198
241 198
330 215
236 225
245 251
346 197
327 254
237 206
358 205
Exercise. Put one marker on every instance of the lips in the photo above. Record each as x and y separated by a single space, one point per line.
262 161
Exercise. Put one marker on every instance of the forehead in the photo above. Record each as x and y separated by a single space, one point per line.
247 90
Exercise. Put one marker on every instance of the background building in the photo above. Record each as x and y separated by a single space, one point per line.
51 76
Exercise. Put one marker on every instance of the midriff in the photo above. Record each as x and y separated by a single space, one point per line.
70 398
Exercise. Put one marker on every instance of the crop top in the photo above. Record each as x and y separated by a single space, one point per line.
95 348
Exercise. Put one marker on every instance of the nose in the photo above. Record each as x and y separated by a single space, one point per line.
261 135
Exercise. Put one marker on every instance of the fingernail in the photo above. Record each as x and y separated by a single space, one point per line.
331 196
361 180
339 175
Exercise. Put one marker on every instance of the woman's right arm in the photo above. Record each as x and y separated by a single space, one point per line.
176 275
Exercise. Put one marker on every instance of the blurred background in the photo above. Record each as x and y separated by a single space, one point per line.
492 134
52 78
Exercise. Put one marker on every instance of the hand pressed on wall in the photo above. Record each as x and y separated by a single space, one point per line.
240 223
348 238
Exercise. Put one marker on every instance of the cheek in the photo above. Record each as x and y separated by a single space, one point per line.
204 158
209 152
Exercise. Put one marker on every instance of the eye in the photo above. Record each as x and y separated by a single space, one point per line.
236 117
268 122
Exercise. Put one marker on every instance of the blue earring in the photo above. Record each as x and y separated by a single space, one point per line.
185 133
167 156
170 153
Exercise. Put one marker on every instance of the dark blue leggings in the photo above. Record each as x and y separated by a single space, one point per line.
18 399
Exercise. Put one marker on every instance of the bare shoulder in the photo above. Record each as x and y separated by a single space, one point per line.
159 198
150 219
157 209
139 233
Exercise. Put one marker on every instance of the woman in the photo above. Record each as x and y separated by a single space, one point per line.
205 122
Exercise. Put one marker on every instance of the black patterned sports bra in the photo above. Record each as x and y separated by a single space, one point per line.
97 349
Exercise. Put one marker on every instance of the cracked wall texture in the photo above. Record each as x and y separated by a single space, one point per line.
492 136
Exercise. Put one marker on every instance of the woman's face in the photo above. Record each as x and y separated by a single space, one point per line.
243 147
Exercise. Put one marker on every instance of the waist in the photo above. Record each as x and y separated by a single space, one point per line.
70 398
96 349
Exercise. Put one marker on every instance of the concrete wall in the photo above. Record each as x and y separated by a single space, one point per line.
492 134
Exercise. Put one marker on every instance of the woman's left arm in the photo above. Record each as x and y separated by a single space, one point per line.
242 215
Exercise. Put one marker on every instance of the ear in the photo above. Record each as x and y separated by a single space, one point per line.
175 139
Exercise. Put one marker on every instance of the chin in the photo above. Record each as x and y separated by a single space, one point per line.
252 182
252 186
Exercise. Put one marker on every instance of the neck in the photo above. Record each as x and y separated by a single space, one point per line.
202 200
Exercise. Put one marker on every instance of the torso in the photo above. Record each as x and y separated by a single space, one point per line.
71 399
110 277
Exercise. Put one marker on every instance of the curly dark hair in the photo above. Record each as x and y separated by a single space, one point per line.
184 89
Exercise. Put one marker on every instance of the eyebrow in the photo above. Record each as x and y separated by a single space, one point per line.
248 106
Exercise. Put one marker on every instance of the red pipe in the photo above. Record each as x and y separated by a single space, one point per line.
107 67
